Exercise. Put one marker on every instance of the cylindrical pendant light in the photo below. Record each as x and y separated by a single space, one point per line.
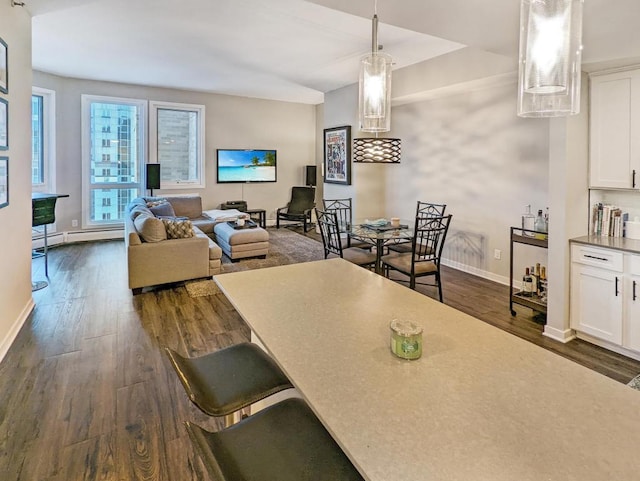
375 87
550 58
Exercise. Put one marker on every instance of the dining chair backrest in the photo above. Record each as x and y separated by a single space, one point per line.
342 209
433 210
330 232
430 234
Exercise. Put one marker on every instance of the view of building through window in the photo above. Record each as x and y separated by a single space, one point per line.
37 140
115 139
178 145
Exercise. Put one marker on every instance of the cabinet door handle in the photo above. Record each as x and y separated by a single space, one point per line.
633 179
617 291
634 290
596 257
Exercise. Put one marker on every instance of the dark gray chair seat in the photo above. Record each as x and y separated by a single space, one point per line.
284 442
225 381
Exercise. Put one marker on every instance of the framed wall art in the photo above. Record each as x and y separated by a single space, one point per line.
4 182
337 155
4 67
4 124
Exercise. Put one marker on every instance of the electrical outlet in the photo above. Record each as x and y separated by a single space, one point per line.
497 254
74 223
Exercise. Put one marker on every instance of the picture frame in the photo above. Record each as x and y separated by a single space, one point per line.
4 67
4 182
4 124
337 155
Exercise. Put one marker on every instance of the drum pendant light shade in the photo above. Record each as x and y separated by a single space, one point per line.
550 58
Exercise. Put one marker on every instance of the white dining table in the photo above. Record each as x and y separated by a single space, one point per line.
480 404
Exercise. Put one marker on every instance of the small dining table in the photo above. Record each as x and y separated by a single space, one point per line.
381 236
480 404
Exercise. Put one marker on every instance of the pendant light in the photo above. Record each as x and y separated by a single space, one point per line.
550 58
377 150
375 86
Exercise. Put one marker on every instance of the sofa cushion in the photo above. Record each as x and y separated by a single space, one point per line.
150 228
138 210
178 229
188 206
162 209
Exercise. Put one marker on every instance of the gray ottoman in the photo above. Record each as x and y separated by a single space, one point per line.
241 243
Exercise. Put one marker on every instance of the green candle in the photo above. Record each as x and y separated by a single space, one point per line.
406 339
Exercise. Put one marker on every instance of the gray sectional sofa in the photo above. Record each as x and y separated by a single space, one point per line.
162 247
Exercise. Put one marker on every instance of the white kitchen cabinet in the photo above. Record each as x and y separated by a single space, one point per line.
632 304
596 292
614 146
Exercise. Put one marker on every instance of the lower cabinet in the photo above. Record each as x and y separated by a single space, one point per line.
596 293
605 296
632 305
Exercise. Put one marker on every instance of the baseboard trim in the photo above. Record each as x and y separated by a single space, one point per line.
609 345
93 235
559 335
475 271
15 329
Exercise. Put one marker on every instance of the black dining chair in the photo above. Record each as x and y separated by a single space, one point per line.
344 214
426 250
332 241
426 208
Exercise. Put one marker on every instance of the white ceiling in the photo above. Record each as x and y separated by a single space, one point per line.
293 50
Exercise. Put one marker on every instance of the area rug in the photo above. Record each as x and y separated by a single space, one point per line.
635 383
285 247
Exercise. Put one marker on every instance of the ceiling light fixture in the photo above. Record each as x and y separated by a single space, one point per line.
550 58
375 150
375 85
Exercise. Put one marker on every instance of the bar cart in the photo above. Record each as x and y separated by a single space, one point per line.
532 238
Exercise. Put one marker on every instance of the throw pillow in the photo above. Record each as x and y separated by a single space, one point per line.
150 228
164 209
178 229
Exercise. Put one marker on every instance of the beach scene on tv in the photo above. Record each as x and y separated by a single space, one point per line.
246 165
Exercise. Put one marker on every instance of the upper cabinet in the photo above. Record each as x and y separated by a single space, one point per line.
614 146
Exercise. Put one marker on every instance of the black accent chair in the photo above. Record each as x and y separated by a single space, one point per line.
426 208
225 381
284 442
298 209
344 213
332 241
426 250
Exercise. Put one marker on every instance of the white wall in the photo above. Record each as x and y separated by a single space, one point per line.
15 219
470 151
231 122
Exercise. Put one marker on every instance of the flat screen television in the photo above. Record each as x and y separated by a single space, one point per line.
246 165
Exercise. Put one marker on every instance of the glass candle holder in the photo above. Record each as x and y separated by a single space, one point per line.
406 339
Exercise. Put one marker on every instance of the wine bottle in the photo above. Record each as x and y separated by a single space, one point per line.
527 284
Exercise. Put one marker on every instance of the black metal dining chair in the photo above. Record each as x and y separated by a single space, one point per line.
426 250
332 241
344 213
426 208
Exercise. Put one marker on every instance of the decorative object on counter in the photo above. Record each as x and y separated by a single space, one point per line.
632 228
406 339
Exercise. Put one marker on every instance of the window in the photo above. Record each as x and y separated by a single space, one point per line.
43 140
113 139
176 140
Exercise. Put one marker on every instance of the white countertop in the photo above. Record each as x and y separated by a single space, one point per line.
620 243
481 404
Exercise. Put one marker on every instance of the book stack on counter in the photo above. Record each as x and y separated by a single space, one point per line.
608 220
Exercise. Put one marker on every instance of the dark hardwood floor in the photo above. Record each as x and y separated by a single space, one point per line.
86 393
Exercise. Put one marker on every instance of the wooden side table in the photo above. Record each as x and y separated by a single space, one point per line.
259 215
